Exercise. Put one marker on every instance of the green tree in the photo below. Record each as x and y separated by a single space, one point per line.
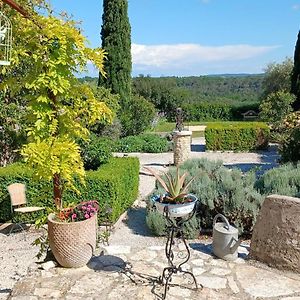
116 40
277 77
52 50
276 106
295 79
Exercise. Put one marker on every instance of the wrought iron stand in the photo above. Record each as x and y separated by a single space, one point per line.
175 230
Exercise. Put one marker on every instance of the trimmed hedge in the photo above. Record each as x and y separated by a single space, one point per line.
240 136
147 143
114 185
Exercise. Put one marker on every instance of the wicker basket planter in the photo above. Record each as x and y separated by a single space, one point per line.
72 244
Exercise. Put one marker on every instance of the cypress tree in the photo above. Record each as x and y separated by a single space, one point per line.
116 40
295 78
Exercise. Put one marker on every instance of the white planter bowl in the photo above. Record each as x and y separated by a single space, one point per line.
175 210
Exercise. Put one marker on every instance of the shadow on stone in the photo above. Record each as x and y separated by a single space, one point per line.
204 248
107 263
136 221
5 291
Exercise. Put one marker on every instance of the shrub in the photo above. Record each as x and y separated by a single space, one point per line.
284 180
205 111
95 152
148 143
276 106
219 190
242 136
114 185
290 137
136 118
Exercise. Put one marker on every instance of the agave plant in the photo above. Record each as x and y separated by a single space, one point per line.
175 186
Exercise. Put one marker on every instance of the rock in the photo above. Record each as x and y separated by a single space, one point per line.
232 284
220 272
212 282
276 234
48 265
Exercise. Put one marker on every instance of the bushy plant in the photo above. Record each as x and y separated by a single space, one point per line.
284 180
95 152
240 136
276 106
137 117
219 190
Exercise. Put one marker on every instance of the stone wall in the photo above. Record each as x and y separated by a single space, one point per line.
182 146
276 234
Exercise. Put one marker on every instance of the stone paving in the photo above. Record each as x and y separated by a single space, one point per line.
124 272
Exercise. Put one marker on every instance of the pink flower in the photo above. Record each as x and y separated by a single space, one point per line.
83 207
88 208
74 216
91 214
87 216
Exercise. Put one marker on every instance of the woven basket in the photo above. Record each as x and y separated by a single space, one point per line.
72 244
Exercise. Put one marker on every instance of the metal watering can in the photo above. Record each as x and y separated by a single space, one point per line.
225 239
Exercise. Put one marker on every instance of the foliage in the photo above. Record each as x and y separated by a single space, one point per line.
277 77
175 186
219 190
116 41
12 133
241 136
146 143
205 111
284 180
136 118
114 185
276 106
295 78
95 152
53 51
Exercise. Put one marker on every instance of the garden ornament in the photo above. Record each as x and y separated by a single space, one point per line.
179 119
5 40
225 239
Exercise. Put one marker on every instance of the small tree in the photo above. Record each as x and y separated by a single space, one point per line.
52 51
276 106
277 77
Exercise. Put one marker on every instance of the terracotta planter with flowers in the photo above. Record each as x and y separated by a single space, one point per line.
72 234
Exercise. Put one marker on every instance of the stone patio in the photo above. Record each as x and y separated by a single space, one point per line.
124 272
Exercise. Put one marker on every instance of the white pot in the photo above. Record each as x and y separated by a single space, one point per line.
176 210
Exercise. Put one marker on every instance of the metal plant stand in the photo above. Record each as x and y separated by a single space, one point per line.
175 230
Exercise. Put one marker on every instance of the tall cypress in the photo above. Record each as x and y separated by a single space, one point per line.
116 40
295 78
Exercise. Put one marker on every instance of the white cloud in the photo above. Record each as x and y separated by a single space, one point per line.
164 56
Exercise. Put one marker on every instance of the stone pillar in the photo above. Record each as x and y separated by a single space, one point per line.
182 146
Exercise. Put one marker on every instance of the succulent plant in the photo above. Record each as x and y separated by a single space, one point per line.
175 186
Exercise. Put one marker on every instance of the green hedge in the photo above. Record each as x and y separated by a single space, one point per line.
114 185
239 136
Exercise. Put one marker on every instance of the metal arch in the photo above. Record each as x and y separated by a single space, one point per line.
5 40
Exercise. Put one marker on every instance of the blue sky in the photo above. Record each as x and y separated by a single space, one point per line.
199 37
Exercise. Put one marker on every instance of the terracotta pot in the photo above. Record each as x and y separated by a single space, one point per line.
72 244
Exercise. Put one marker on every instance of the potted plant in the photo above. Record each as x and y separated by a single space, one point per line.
176 201
60 111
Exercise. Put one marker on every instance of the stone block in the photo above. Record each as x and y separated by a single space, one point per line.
276 234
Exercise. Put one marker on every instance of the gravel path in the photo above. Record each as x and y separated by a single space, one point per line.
17 254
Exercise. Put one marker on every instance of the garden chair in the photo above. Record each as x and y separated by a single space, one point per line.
18 203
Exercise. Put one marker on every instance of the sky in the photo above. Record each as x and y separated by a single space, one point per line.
198 37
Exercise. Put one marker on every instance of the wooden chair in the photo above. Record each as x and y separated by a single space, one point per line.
18 202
